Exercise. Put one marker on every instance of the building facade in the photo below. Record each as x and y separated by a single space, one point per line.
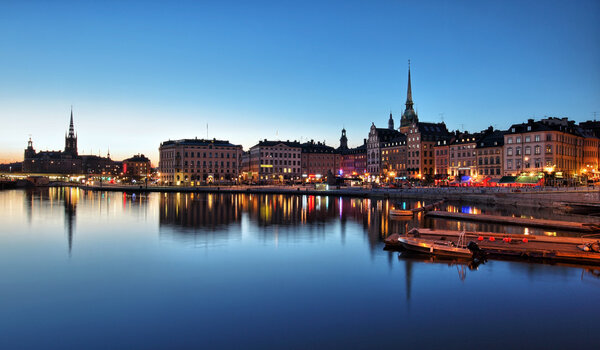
274 161
319 160
489 155
442 158
377 138
553 145
463 157
137 167
393 158
198 161
421 139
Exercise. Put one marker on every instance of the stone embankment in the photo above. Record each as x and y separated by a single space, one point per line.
534 197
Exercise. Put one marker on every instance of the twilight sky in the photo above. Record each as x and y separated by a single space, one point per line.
138 73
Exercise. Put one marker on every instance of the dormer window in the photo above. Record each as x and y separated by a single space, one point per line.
528 127
512 129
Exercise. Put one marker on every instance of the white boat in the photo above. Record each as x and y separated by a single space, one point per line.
438 247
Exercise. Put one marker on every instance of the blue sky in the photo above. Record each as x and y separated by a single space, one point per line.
138 73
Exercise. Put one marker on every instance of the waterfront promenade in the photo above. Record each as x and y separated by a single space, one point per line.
539 197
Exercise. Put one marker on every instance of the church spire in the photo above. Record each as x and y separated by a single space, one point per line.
391 122
71 127
409 100
71 138
409 116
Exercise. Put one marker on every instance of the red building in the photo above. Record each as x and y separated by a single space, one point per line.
137 167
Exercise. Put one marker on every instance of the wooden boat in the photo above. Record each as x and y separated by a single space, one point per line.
398 212
441 248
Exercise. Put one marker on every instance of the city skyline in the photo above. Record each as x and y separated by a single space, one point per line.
268 72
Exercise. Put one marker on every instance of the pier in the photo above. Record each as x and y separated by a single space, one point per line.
514 246
511 220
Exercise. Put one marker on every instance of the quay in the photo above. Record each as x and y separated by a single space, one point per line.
513 246
543 197
518 221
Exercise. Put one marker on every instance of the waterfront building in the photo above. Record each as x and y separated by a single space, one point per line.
377 138
97 165
442 158
137 167
591 152
552 144
199 161
354 161
319 160
273 161
393 158
421 139
489 154
67 161
463 157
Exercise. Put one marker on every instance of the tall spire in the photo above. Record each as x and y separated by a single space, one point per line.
71 127
409 116
409 101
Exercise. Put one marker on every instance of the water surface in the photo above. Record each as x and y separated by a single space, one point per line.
96 270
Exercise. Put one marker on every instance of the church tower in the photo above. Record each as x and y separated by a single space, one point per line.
343 140
71 139
409 116
391 122
29 151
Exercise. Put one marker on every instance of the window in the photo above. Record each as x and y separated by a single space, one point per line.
548 149
509 140
538 149
527 138
518 151
528 150
509 151
537 138
518 139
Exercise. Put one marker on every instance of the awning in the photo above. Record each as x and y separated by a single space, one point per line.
481 179
529 180
507 180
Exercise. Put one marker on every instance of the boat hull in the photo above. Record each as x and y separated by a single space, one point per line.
396 212
434 248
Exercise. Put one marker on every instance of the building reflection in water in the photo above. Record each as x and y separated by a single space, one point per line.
44 201
211 219
212 215
67 197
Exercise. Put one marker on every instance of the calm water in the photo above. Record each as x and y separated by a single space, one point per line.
91 270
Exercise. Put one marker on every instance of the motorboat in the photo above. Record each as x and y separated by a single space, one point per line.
440 247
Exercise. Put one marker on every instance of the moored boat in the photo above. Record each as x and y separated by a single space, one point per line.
399 212
441 248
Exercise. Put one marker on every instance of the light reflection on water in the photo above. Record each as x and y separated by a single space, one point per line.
167 270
